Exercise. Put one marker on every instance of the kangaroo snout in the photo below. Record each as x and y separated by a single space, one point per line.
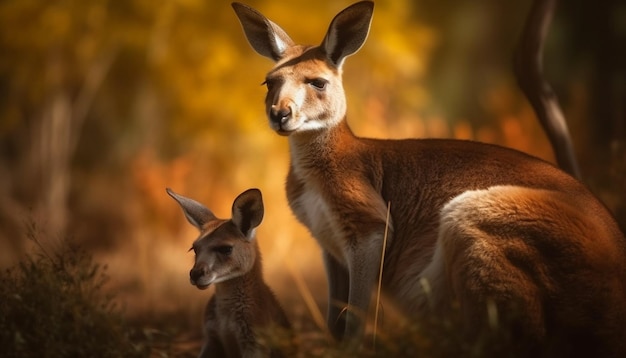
197 276
279 115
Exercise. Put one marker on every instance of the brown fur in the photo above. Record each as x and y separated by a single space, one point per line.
243 306
484 226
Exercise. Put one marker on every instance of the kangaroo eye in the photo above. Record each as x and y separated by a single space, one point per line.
318 83
269 83
193 248
224 250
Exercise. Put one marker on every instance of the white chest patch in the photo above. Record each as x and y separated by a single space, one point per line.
314 210
317 215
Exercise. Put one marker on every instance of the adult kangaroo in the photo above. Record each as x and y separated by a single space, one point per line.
480 225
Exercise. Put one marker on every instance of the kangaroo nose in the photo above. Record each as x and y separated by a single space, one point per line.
197 272
280 115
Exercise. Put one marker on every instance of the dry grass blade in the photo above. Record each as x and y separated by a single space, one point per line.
307 296
380 273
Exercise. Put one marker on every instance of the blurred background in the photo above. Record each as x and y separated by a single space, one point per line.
105 103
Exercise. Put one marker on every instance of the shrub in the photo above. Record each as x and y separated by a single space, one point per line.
52 304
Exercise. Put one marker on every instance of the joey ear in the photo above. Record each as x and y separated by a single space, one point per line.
196 213
248 211
348 31
265 37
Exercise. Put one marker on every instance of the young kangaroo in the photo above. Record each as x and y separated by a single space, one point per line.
227 255
475 224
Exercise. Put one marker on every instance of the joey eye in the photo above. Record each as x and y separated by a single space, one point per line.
318 83
224 250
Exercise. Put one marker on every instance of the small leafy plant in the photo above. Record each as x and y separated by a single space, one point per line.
52 304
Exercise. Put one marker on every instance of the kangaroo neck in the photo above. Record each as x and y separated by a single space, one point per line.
320 144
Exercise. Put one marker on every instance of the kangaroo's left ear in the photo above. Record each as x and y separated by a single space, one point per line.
248 211
196 213
265 37
348 31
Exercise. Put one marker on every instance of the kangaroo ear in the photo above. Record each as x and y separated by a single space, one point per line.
196 213
348 31
248 211
265 37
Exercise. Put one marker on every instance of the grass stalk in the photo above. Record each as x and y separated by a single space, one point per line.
307 296
380 273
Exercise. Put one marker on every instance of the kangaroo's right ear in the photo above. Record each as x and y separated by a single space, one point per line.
265 37
248 211
348 31
196 213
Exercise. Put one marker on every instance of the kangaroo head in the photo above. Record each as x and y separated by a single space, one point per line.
225 249
304 89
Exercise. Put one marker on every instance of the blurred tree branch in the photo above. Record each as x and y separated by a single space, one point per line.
56 136
528 68
93 81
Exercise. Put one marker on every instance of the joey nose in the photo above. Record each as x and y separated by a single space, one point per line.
196 273
280 115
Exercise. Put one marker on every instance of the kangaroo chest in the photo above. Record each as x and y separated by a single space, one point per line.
231 324
317 214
